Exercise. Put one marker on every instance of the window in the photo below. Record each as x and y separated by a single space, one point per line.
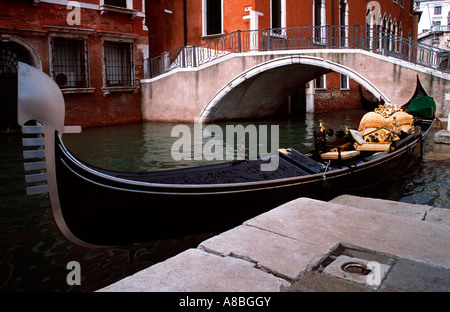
344 82
118 3
319 18
118 6
321 83
118 64
213 17
437 10
402 3
343 22
276 14
435 25
69 62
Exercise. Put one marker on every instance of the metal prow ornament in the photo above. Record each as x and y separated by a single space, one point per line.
40 101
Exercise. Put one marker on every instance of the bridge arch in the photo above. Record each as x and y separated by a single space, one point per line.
256 92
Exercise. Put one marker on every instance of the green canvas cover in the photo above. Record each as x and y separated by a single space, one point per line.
423 106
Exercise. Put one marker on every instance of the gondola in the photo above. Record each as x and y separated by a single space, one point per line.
368 101
94 207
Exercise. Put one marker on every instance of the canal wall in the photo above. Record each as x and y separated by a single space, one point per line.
300 246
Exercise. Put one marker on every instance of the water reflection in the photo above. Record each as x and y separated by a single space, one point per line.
34 255
147 147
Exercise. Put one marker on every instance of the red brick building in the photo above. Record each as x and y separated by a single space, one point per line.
175 23
93 49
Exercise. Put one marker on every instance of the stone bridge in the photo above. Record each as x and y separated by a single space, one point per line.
253 84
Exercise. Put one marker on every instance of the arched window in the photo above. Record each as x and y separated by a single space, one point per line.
384 34
389 34
319 16
11 54
394 36
343 21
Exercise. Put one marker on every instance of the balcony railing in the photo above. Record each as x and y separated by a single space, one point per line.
297 38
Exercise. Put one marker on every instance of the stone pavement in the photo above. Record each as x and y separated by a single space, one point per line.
294 247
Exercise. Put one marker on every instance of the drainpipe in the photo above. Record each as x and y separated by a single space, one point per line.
332 12
333 35
185 22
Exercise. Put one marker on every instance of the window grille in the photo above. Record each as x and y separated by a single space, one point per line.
69 63
118 3
10 55
344 82
320 82
437 10
118 64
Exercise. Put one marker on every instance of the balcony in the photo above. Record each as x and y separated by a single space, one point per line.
106 8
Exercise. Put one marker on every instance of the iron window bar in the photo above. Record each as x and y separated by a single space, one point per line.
69 67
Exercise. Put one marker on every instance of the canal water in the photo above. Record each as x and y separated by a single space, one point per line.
34 254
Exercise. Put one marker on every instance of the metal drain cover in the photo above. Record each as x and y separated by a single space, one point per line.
368 273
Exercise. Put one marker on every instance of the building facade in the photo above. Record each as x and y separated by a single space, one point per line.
94 50
175 23
434 23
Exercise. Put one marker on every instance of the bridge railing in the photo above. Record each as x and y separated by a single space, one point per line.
294 38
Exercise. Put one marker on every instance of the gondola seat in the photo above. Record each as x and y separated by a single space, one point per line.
361 145
373 147
344 155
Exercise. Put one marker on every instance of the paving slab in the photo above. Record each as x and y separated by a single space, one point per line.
413 211
438 215
325 224
408 275
442 137
277 254
416 212
197 271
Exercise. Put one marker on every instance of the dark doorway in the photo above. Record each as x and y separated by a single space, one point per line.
294 106
213 17
298 102
119 3
10 54
276 13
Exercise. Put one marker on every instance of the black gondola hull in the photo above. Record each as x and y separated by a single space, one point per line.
104 210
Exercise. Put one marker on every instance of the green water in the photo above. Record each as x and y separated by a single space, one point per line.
34 254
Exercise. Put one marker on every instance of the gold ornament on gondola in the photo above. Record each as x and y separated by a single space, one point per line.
387 110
